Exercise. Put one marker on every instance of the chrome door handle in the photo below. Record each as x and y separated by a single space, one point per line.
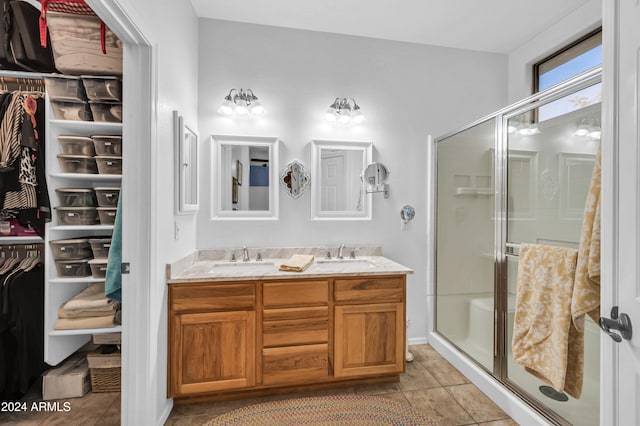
621 322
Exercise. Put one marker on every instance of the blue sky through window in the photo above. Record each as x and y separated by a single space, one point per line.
588 96
589 59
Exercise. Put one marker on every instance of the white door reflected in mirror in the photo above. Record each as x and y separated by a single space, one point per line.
338 191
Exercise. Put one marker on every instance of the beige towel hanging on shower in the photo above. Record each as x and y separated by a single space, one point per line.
586 291
545 340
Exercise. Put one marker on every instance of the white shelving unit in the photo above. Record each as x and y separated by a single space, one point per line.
59 344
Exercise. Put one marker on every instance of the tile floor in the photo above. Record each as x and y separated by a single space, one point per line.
430 384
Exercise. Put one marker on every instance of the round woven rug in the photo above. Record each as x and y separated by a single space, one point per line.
325 410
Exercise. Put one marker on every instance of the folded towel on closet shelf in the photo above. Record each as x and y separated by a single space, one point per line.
545 340
297 263
91 297
586 291
86 313
92 322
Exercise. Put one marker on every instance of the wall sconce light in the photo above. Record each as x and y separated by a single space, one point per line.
242 102
528 129
588 127
344 111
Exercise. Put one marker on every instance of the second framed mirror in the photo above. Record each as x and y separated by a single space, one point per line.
337 191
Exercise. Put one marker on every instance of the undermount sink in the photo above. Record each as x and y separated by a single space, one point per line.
240 267
344 264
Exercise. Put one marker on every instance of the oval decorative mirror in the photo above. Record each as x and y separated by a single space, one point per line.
295 179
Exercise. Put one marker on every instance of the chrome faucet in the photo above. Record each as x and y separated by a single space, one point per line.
340 256
245 254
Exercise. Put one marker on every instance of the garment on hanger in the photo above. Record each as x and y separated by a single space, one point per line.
21 320
23 187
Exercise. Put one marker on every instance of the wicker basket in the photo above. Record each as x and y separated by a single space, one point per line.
105 379
104 369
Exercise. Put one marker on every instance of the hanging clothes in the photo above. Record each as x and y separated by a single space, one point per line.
23 187
21 325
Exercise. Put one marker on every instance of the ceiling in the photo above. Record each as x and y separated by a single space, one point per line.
489 25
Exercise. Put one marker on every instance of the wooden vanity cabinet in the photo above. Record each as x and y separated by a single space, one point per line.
369 326
244 338
212 329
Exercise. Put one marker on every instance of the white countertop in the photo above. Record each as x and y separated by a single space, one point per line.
198 267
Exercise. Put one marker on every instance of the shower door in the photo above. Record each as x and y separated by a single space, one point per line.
465 240
551 150
519 176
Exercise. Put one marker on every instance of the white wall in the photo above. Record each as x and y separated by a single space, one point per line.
171 29
584 20
407 91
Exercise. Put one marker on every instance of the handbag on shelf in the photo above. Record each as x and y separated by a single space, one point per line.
20 47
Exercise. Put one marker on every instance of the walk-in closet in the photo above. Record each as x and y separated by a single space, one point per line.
61 160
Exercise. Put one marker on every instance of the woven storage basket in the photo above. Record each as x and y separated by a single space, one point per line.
105 379
104 369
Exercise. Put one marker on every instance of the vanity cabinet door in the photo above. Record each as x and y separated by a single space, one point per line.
212 351
369 339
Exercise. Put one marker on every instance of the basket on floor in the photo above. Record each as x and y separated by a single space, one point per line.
104 368
105 379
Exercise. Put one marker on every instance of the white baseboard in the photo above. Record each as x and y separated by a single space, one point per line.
418 341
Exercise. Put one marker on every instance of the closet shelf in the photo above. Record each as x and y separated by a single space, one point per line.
82 280
81 228
83 331
92 127
88 177
20 240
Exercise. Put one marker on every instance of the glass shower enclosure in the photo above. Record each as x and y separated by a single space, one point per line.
518 176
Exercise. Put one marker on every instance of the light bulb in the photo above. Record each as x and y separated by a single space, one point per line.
595 134
227 107
330 115
529 130
257 108
357 116
344 119
241 107
582 130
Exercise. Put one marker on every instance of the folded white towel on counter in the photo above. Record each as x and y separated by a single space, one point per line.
297 263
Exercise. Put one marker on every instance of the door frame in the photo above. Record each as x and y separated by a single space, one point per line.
138 380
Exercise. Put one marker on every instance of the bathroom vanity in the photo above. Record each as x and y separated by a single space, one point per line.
245 328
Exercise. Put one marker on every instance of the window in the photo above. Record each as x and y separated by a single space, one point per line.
570 61
574 59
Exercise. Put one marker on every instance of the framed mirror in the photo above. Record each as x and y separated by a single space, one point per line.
245 177
295 179
186 167
337 192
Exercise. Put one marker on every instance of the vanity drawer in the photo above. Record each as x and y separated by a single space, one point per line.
212 297
296 293
295 326
295 364
370 290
